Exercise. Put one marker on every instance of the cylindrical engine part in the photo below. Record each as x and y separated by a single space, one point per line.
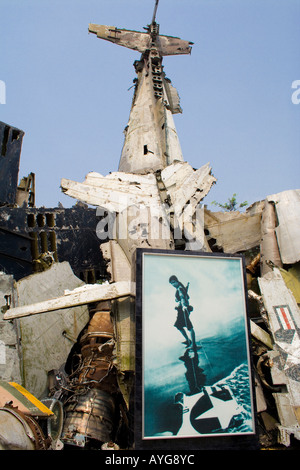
19 432
97 347
89 416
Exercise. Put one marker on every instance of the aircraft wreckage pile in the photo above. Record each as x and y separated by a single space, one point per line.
67 325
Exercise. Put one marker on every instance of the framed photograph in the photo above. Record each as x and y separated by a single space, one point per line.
193 357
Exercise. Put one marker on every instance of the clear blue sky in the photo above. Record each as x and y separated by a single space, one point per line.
69 92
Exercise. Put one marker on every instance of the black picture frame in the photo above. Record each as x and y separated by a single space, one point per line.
200 395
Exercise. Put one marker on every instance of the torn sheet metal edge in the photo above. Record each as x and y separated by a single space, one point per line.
235 231
117 191
285 434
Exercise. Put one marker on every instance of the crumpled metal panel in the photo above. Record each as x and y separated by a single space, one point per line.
173 97
234 231
284 321
47 341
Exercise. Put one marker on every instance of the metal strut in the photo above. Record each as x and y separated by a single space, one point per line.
154 12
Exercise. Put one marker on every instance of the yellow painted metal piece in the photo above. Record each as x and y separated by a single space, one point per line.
37 403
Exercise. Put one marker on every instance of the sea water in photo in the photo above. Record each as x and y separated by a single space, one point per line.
202 388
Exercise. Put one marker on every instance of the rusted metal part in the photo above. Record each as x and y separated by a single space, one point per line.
20 431
89 416
93 408
28 423
96 367
253 265
97 349
110 446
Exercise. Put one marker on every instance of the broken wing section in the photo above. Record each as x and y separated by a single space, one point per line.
130 39
234 231
169 45
137 41
114 192
147 205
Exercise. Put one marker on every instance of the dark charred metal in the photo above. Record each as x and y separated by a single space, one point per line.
10 151
29 234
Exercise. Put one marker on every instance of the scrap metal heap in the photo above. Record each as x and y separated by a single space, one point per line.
80 356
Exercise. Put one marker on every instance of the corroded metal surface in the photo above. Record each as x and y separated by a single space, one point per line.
89 416
141 42
92 409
